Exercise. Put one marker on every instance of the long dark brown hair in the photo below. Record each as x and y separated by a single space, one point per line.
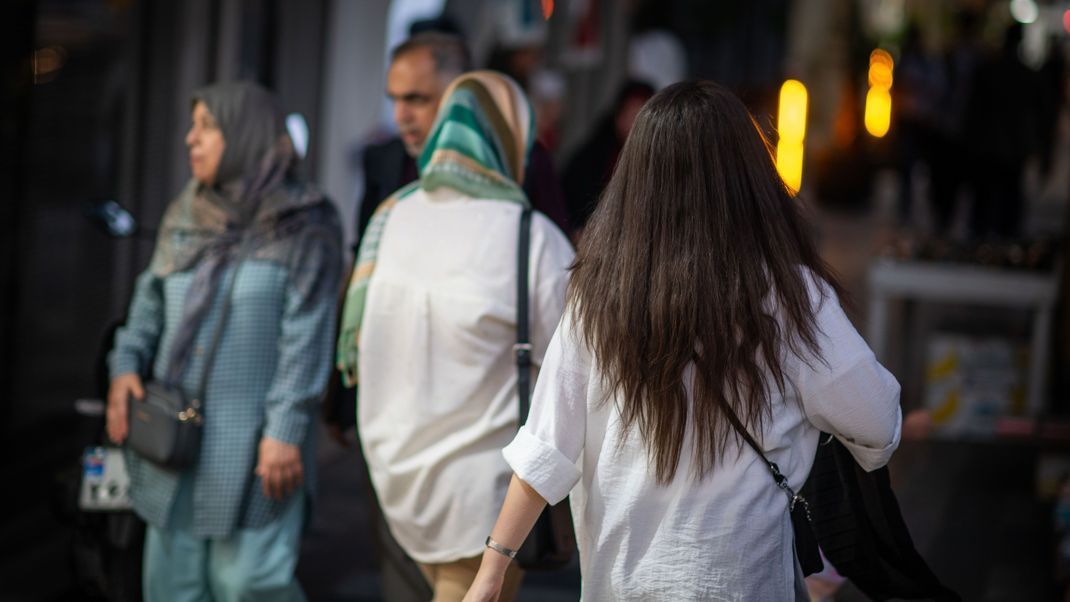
695 244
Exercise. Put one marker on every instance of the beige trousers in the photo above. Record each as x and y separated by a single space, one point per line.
451 580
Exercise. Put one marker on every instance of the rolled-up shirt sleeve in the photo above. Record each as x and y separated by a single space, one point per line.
545 452
846 391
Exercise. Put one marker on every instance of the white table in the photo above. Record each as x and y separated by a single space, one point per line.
967 284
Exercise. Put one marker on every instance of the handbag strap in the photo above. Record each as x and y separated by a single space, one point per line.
198 400
781 480
522 348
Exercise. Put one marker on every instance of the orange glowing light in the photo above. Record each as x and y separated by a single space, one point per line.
789 163
547 9
881 67
791 118
881 55
791 125
880 75
878 116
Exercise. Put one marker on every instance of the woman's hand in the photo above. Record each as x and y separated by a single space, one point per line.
279 468
519 513
122 388
486 587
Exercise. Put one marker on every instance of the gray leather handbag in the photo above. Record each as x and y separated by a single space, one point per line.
166 426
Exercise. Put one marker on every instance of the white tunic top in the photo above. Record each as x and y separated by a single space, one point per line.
437 396
728 536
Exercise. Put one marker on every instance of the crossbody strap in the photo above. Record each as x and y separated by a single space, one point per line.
781 480
198 400
522 348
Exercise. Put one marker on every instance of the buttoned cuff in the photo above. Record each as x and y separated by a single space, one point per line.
541 466
120 363
287 426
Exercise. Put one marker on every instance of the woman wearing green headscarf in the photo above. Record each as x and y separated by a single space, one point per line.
430 322
228 527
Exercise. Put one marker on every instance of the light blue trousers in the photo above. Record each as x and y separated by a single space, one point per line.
252 565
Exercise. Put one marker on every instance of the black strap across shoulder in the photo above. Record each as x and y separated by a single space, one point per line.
781 480
522 348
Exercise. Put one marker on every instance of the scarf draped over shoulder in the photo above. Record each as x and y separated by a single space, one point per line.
257 204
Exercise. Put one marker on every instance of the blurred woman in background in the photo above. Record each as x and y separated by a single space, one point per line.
228 527
590 167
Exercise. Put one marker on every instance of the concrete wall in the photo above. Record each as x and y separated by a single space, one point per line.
353 85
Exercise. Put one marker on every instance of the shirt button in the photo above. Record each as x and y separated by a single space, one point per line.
199 350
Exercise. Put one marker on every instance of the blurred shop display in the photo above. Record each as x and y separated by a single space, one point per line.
1038 254
91 497
105 483
971 382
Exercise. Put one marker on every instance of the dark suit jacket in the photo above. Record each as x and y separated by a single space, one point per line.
387 167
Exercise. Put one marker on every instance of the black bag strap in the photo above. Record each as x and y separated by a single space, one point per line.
781 480
522 348
198 400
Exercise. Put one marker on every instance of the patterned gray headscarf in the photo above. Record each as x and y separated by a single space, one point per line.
256 202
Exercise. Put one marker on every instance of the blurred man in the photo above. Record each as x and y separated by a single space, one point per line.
420 69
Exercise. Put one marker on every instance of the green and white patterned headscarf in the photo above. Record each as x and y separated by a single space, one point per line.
479 147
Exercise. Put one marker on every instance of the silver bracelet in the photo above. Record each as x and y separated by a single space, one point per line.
499 548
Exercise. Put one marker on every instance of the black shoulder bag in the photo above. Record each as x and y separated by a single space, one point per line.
861 530
165 427
551 542
855 518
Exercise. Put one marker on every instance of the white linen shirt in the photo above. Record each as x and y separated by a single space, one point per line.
729 535
437 395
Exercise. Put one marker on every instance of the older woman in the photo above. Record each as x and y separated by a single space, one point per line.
433 310
228 527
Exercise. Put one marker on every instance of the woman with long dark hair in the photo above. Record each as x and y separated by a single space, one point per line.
697 295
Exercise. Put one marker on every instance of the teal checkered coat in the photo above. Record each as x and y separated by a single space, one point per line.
270 373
